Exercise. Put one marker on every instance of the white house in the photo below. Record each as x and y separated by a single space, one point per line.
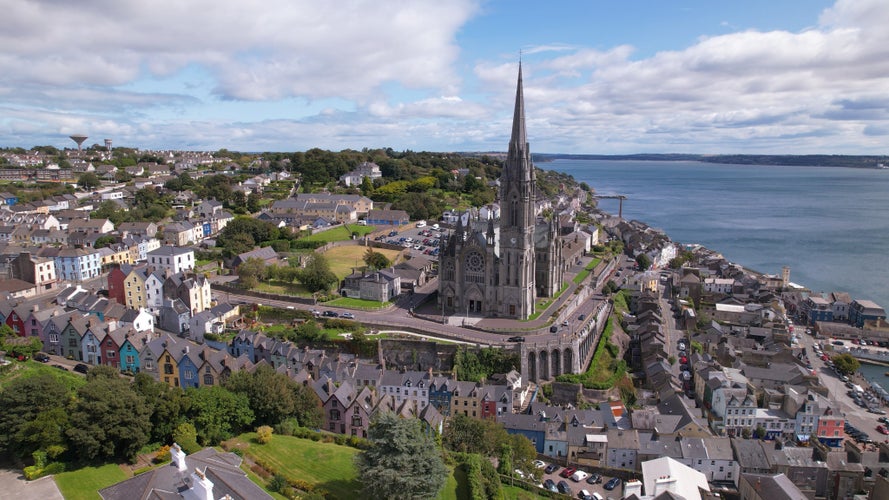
174 259
141 320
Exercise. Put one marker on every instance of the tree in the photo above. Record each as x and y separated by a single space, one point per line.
22 401
89 181
104 241
218 413
251 272
367 186
270 394
644 261
846 363
109 419
168 406
402 462
470 435
376 260
253 201
186 436
317 276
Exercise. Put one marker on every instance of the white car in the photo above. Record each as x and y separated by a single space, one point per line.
579 476
539 464
347 315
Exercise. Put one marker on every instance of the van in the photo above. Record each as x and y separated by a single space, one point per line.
597 496
362 222
435 227
421 223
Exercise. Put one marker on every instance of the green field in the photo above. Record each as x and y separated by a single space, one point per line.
83 484
343 259
360 304
326 465
340 233
32 368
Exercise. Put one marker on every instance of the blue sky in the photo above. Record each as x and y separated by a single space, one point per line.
678 76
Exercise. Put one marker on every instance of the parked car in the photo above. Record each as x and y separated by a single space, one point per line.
884 420
550 485
42 357
579 476
539 464
584 495
81 368
567 471
517 338
330 314
564 487
882 430
551 468
594 479
612 483
347 315
60 367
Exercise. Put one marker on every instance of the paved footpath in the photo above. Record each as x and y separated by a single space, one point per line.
14 487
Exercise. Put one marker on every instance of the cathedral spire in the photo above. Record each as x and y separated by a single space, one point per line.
518 162
519 139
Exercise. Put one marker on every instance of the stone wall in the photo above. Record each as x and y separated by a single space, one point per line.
417 355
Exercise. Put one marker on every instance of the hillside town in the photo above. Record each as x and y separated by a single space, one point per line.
589 348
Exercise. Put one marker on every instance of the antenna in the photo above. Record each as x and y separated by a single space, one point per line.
79 139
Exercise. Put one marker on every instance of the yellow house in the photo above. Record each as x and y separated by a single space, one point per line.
168 369
134 288
116 254
465 400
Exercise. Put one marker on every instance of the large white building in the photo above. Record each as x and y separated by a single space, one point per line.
172 259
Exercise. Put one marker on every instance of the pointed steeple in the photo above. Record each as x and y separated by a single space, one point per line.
518 161
519 139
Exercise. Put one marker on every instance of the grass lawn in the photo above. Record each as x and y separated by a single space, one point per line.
327 465
357 303
516 493
32 368
340 233
451 487
343 259
281 288
84 483
586 271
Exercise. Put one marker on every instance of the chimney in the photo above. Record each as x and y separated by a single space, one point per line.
178 457
201 485
633 487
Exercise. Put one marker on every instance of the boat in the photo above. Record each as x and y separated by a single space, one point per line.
886 374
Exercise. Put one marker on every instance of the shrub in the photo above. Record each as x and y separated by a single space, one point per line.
54 468
277 483
287 427
263 434
237 451
162 455
259 471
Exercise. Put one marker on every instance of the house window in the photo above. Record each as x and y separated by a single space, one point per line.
72 342
356 421
189 373
111 354
130 360
168 370
208 379
149 364
334 415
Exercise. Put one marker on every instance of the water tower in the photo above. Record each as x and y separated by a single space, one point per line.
79 139
108 145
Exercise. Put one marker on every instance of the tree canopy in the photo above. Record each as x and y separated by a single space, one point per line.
402 462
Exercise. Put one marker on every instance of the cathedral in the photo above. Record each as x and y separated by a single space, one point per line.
498 268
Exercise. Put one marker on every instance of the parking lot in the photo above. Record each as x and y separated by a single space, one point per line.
574 487
422 240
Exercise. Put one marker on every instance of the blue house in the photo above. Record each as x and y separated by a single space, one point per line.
9 198
441 389
865 310
130 341
189 362
532 427
243 344
207 227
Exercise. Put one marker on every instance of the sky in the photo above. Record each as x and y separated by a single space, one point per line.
600 77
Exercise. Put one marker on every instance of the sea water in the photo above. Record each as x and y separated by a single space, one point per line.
830 225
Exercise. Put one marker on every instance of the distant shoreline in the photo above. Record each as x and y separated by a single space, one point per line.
846 161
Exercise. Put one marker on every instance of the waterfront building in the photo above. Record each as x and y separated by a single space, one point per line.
865 310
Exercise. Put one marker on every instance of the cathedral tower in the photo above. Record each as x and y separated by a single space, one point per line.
518 196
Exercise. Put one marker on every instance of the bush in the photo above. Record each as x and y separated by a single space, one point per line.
287 427
260 471
263 434
237 451
162 455
54 468
277 483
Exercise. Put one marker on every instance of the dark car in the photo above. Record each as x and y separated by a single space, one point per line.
81 368
393 233
553 329
594 479
517 338
60 367
330 314
564 487
551 468
42 357
612 483
550 485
